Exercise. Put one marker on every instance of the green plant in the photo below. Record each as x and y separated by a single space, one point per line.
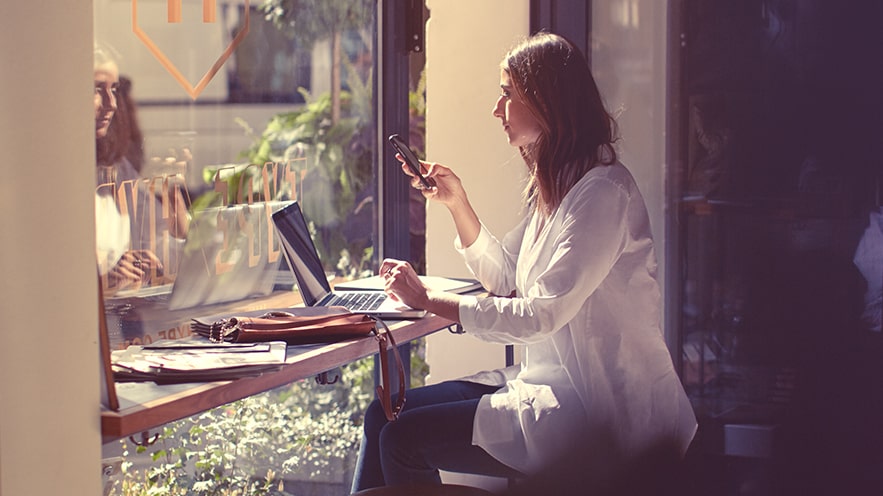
250 446
336 187
309 21
253 446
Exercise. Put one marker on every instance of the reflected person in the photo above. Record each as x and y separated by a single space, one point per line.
130 227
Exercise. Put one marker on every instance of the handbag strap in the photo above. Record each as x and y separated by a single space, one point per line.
271 321
387 343
226 329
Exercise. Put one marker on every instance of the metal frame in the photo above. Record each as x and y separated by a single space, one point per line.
400 28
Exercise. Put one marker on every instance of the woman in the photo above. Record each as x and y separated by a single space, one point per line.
597 380
122 266
130 225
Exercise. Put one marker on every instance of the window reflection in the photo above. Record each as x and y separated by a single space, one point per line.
289 114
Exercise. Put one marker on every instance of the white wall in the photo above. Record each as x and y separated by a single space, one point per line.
465 42
49 380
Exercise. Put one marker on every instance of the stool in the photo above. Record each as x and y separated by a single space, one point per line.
442 490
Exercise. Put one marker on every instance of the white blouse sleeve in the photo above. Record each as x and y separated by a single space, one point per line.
493 262
111 233
587 236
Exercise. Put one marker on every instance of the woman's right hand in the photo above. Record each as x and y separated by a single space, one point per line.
448 189
134 269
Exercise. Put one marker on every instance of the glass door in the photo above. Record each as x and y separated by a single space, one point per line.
776 195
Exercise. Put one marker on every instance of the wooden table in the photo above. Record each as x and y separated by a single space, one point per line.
145 405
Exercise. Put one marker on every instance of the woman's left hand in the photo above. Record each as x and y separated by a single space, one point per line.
172 198
403 284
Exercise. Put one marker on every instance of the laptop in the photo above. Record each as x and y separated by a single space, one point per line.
230 254
297 244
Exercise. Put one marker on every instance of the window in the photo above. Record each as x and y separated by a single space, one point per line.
222 105
224 111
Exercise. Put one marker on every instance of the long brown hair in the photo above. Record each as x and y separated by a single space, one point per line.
553 79
124 137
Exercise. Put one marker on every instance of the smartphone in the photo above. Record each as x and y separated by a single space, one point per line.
410 159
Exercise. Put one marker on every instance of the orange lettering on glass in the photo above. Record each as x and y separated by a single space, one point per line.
254 240
154 219
222 263
209 15
253 184
151 220
209 11
174 8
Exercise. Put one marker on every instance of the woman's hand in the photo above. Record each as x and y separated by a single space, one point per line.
448 189
134 269
179 215
171 197
402 283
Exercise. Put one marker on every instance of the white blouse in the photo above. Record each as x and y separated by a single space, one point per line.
111 232
587 306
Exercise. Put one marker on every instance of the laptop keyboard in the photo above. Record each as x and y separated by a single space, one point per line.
359 302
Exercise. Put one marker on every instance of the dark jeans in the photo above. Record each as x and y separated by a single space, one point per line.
433 432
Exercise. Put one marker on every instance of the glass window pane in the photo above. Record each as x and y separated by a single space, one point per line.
210 115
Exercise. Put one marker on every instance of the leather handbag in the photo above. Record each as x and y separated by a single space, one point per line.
331 327
288 327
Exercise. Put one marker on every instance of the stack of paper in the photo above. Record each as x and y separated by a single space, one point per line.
449 284
196 360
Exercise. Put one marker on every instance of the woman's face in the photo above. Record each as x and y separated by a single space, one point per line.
520 125
107 79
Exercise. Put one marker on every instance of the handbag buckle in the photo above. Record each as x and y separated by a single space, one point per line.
224 328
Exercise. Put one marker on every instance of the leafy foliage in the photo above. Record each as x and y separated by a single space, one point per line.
310 20
336 189
253 446
300 428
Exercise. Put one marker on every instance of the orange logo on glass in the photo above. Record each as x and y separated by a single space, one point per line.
209 15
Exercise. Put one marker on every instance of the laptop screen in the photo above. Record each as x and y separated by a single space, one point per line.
301 253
